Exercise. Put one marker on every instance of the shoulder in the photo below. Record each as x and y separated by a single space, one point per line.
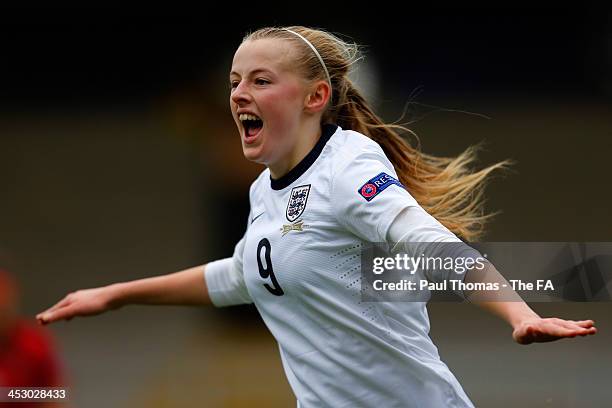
356 155
365 191
348 144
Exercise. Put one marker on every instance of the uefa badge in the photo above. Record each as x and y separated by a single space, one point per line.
369 190
377 185
297 202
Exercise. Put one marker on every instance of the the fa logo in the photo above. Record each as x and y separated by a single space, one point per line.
297 202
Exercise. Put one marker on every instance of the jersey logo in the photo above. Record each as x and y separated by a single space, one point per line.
296 226
257 216
376 185
297 202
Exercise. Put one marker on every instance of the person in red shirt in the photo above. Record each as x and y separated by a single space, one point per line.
27 354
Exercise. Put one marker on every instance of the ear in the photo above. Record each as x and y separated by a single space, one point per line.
317 98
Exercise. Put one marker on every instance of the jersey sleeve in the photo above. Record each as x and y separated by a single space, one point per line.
225 279
415 232
414 224
366 195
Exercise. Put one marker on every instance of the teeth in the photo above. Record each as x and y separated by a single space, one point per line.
247 116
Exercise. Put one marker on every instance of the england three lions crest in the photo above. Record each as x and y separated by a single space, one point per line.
297 202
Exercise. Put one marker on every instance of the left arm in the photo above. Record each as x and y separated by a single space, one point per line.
527 326
395 217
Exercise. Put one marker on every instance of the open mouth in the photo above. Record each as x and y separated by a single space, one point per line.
252 126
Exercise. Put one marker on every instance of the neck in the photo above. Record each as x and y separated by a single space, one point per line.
306 139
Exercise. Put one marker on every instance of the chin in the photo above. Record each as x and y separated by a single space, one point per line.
254 154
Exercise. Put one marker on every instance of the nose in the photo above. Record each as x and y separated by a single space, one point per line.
240 95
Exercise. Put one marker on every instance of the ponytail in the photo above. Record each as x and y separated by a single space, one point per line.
445 187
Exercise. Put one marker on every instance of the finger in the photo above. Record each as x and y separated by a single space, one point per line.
586 329
59 304
585 332
580 326
41 316
56 306
44 317
580 321
585 323
557 329
569 324
590 330
59 314
553 329
575 330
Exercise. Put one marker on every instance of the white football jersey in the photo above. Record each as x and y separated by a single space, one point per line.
299 263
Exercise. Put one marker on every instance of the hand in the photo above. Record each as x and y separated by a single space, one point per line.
87 302
540 330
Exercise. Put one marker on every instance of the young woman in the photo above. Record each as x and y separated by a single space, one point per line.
337 177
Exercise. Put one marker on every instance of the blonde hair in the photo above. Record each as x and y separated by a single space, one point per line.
445 187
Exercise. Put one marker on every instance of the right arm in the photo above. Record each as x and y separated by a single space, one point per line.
186 287
219 283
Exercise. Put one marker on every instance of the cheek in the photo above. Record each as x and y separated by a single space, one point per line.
283 105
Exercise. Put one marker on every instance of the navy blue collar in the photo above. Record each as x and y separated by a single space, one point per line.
327 131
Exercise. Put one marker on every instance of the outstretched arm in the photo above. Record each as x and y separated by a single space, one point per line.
218 283
415 225
186 287
528 327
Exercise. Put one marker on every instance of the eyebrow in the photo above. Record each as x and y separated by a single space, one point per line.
254 72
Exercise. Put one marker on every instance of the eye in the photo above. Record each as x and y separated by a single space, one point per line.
261 81
233 84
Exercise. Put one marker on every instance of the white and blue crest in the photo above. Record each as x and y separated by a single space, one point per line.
297 202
